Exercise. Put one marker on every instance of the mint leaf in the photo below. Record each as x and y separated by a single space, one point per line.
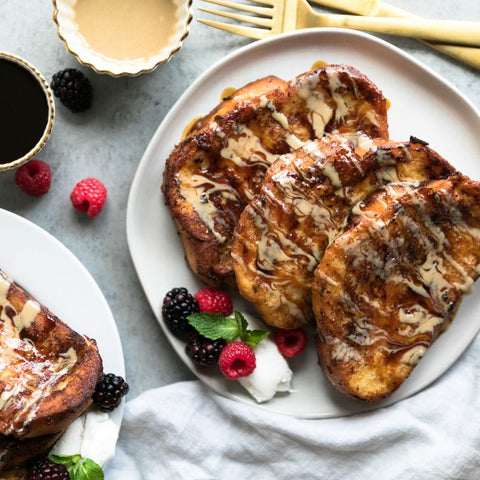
87 470
64 459
254 337
250 337
79 468
214 326
241 323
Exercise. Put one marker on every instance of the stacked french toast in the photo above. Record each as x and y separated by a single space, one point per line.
293 192
48 373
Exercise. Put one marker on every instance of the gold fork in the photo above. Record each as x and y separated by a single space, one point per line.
379 8
276 16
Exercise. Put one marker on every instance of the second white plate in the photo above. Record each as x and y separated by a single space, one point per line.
422 104
46 269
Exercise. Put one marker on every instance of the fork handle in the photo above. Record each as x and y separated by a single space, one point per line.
378 8
367 8
458 32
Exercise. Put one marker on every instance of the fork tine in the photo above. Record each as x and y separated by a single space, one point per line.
250 32
266 11
265 2
271 3
263 22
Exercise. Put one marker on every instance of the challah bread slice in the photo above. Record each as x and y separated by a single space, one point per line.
387 287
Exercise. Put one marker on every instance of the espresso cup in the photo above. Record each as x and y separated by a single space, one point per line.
27 111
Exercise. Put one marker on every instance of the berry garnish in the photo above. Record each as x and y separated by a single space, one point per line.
237 360
34 177
290 343
214 301
203 351
109 392
47 470
73 89
89 196
178 304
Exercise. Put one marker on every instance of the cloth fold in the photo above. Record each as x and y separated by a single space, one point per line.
187 431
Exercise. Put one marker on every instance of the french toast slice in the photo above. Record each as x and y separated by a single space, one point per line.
48 373
390 285
304 203
213 173
19 454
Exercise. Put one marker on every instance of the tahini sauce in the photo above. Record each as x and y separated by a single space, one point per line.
126 29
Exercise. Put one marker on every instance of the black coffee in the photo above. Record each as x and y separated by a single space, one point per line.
23 111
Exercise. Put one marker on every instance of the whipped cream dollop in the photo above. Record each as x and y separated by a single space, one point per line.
272 373
93 435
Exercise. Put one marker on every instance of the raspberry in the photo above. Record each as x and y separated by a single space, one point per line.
47 470
34 178
290 343
89 196
109 392
203 351
237 360
73 89
214 301
178 304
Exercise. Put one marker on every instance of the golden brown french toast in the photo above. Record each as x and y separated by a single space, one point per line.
387 287
217 169
47 375
304 203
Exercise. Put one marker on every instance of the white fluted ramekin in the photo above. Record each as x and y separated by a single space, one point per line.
63 16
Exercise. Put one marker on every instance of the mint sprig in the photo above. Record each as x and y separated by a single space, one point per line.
215 326
79 468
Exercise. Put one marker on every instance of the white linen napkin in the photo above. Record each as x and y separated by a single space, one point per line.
187 431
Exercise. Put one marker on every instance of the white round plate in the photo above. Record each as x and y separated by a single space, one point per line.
422 104
47 270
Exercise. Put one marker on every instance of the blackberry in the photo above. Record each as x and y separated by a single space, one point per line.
109 392
47 470
178 304
203 351
73 89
